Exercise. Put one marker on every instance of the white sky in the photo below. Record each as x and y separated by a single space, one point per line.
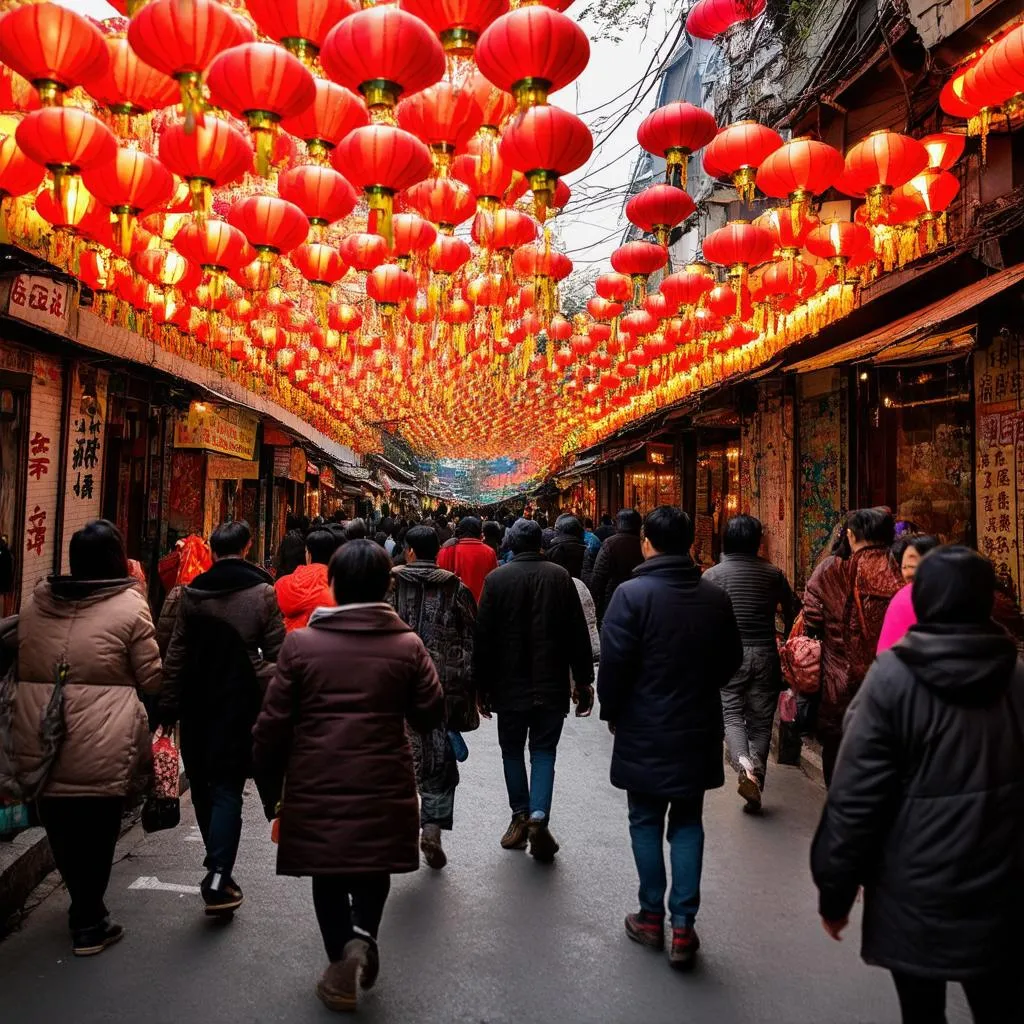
591 232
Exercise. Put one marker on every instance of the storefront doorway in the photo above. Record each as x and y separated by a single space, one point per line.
13 472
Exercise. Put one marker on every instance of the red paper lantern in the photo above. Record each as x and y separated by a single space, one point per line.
52 47
272 225
344 318
413 235
738 245
487 179
334 112
709 19
675 131
487 290
73 208
364 251
132 182
458 23
128 85
161 267
318 263
737 151
383 52
800 170
503 230
448 255
445 202
544 144
444 116
659 209
788 228
616 288
390 287
217 247
532 52
66 141
181 39
687 287
881 163
382 160
322 194
639 260
603 309
839 242
944 149
495 104
211 154
261 83
300 25
18 174
96 270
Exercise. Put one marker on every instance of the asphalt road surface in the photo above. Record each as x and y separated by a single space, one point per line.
493 939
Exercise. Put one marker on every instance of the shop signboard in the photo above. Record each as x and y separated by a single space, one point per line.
327 477
226 431
290 464
224 467
40 301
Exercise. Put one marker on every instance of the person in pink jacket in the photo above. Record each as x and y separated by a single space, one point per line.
900 615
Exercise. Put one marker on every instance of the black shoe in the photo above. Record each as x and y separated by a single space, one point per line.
542 843
220 894
91 941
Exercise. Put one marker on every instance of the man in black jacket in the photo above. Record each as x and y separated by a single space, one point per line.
616 559
926 807
530 632
670 643
226 638
568 549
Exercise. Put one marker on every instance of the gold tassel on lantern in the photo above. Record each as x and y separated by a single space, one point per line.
191 83
381 203
263 126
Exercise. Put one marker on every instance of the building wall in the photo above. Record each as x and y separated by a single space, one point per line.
823 471
37 548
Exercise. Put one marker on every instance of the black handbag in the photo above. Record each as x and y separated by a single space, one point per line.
160 813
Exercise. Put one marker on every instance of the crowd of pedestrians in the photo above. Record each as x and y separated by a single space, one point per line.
343 681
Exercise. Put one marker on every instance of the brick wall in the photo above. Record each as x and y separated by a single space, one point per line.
86 455
43 472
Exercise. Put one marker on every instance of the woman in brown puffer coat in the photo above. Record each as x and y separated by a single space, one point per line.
333 727
93 632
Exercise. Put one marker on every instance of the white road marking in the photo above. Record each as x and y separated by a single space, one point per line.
145 882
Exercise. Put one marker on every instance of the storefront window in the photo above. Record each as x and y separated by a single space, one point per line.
653 482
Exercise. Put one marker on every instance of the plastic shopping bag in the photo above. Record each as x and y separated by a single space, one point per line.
165 766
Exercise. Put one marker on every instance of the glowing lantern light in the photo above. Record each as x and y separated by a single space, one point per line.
445 117
639 260
322 194
799 171
737 151
211 154
364 251
413 236
444 202
390 287
839 242
301 26
882 163
332 114
128 85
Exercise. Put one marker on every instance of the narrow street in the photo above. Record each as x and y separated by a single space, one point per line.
494 939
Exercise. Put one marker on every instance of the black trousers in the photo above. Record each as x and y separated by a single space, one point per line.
83 833
996 998
346 902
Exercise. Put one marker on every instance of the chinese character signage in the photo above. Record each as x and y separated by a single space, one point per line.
999 468
228 431
40 301
86 439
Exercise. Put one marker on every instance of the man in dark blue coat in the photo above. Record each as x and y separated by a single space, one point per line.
669 644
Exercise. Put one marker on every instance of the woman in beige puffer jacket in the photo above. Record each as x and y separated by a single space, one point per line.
95 627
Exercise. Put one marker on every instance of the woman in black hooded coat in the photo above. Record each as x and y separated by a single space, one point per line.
926 808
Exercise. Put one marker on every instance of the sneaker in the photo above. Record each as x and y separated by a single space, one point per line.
516 834
748 788
646 928
221 895
685 944
430 845
91 941
542 843
338 988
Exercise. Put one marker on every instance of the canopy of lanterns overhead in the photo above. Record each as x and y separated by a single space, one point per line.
347 207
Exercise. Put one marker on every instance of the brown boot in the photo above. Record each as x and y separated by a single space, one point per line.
646 928
430 845
517 832
338 987
542 843
685 944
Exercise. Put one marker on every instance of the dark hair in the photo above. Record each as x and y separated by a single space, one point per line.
922 543
954 586
606 520
359 572
839 542
588 523
388 525
874 525
321 544
424 542
293 522
381 538
96 552
742 536
356 530
524 535
231 538
338 533
669 530
469 526
629 521
492 531
570 526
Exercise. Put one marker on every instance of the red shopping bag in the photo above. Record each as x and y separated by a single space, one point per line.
165 766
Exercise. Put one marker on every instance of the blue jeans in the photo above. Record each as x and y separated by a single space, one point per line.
543 728
686 851
218 808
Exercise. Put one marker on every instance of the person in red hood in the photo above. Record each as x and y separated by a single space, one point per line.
306 588
469 557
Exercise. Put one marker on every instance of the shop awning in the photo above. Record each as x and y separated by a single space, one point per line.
391 484
919 334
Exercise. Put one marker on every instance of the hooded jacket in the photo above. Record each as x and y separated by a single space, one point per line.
669 644
103 632
333 725
226 638
926 808
442 612
471 560
568 552
300 592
